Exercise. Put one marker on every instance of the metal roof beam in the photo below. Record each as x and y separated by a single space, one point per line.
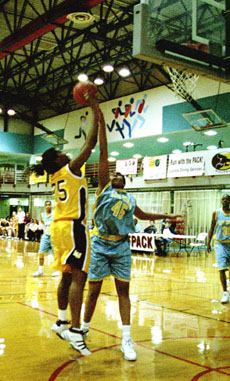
43 24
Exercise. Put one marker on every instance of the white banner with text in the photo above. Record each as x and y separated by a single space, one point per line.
127 167
155 167
142 242
186 164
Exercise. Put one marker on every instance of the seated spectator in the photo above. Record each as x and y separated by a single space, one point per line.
32 228
11 228
159 242
169 228
27 218
39 231
172 228
151 228
163 222
168 231
4 227
27 221
138 227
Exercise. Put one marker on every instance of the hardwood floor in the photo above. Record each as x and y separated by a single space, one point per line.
180 329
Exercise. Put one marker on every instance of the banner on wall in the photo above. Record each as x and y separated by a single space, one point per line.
155 167
217 162
127 167
186 164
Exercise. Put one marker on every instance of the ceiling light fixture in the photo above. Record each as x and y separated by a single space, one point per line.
124 72
98 81
212 147
176 151
114 153
137 156
162 140
11 112
82 77
128 145
111 159
82 20
108 68
187 144
210 132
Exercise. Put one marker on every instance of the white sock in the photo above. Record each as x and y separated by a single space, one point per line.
41 268
85 325
126 331
62 315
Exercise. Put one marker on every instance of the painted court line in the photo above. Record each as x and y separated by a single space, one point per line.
139 343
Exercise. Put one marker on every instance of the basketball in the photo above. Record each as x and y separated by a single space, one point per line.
81 88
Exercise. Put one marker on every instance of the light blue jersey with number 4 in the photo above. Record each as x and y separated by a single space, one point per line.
113 212
222 226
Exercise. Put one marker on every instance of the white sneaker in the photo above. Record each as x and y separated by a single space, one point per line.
60 326
85 333
128 350
38 273
56 273
76 339
225 297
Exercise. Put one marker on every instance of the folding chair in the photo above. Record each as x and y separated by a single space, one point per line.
199 243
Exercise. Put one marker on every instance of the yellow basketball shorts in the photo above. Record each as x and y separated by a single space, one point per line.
71 243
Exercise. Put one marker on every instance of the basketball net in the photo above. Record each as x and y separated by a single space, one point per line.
183 83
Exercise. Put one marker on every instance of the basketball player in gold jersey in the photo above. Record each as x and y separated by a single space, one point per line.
69 233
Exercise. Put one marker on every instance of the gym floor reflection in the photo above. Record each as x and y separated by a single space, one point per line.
179 327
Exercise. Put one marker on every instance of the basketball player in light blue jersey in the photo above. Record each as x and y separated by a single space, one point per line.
114 209
221 224
45 244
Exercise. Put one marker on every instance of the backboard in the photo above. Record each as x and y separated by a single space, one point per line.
184 34
204 120
54 139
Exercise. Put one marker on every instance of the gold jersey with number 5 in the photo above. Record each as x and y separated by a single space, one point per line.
69 233
70 195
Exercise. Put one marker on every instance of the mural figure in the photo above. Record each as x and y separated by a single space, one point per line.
126 127
83 124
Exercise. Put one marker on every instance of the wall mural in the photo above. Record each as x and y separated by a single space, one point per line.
83 126
128 117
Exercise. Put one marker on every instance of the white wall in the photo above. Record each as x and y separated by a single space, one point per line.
18 126
148 123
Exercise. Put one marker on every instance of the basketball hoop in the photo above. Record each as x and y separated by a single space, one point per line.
183 83
54 139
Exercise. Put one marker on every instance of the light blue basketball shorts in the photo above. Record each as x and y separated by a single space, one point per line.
222 255
45 244
110 258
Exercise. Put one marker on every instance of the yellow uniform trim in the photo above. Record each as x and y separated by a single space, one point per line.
107 277
109 237
225 241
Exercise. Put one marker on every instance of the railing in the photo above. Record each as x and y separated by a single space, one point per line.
91 172
13 177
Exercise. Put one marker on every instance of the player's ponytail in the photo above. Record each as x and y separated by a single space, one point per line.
38 169
48 163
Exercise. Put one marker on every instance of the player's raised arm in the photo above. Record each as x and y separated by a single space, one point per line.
103 173
91 140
